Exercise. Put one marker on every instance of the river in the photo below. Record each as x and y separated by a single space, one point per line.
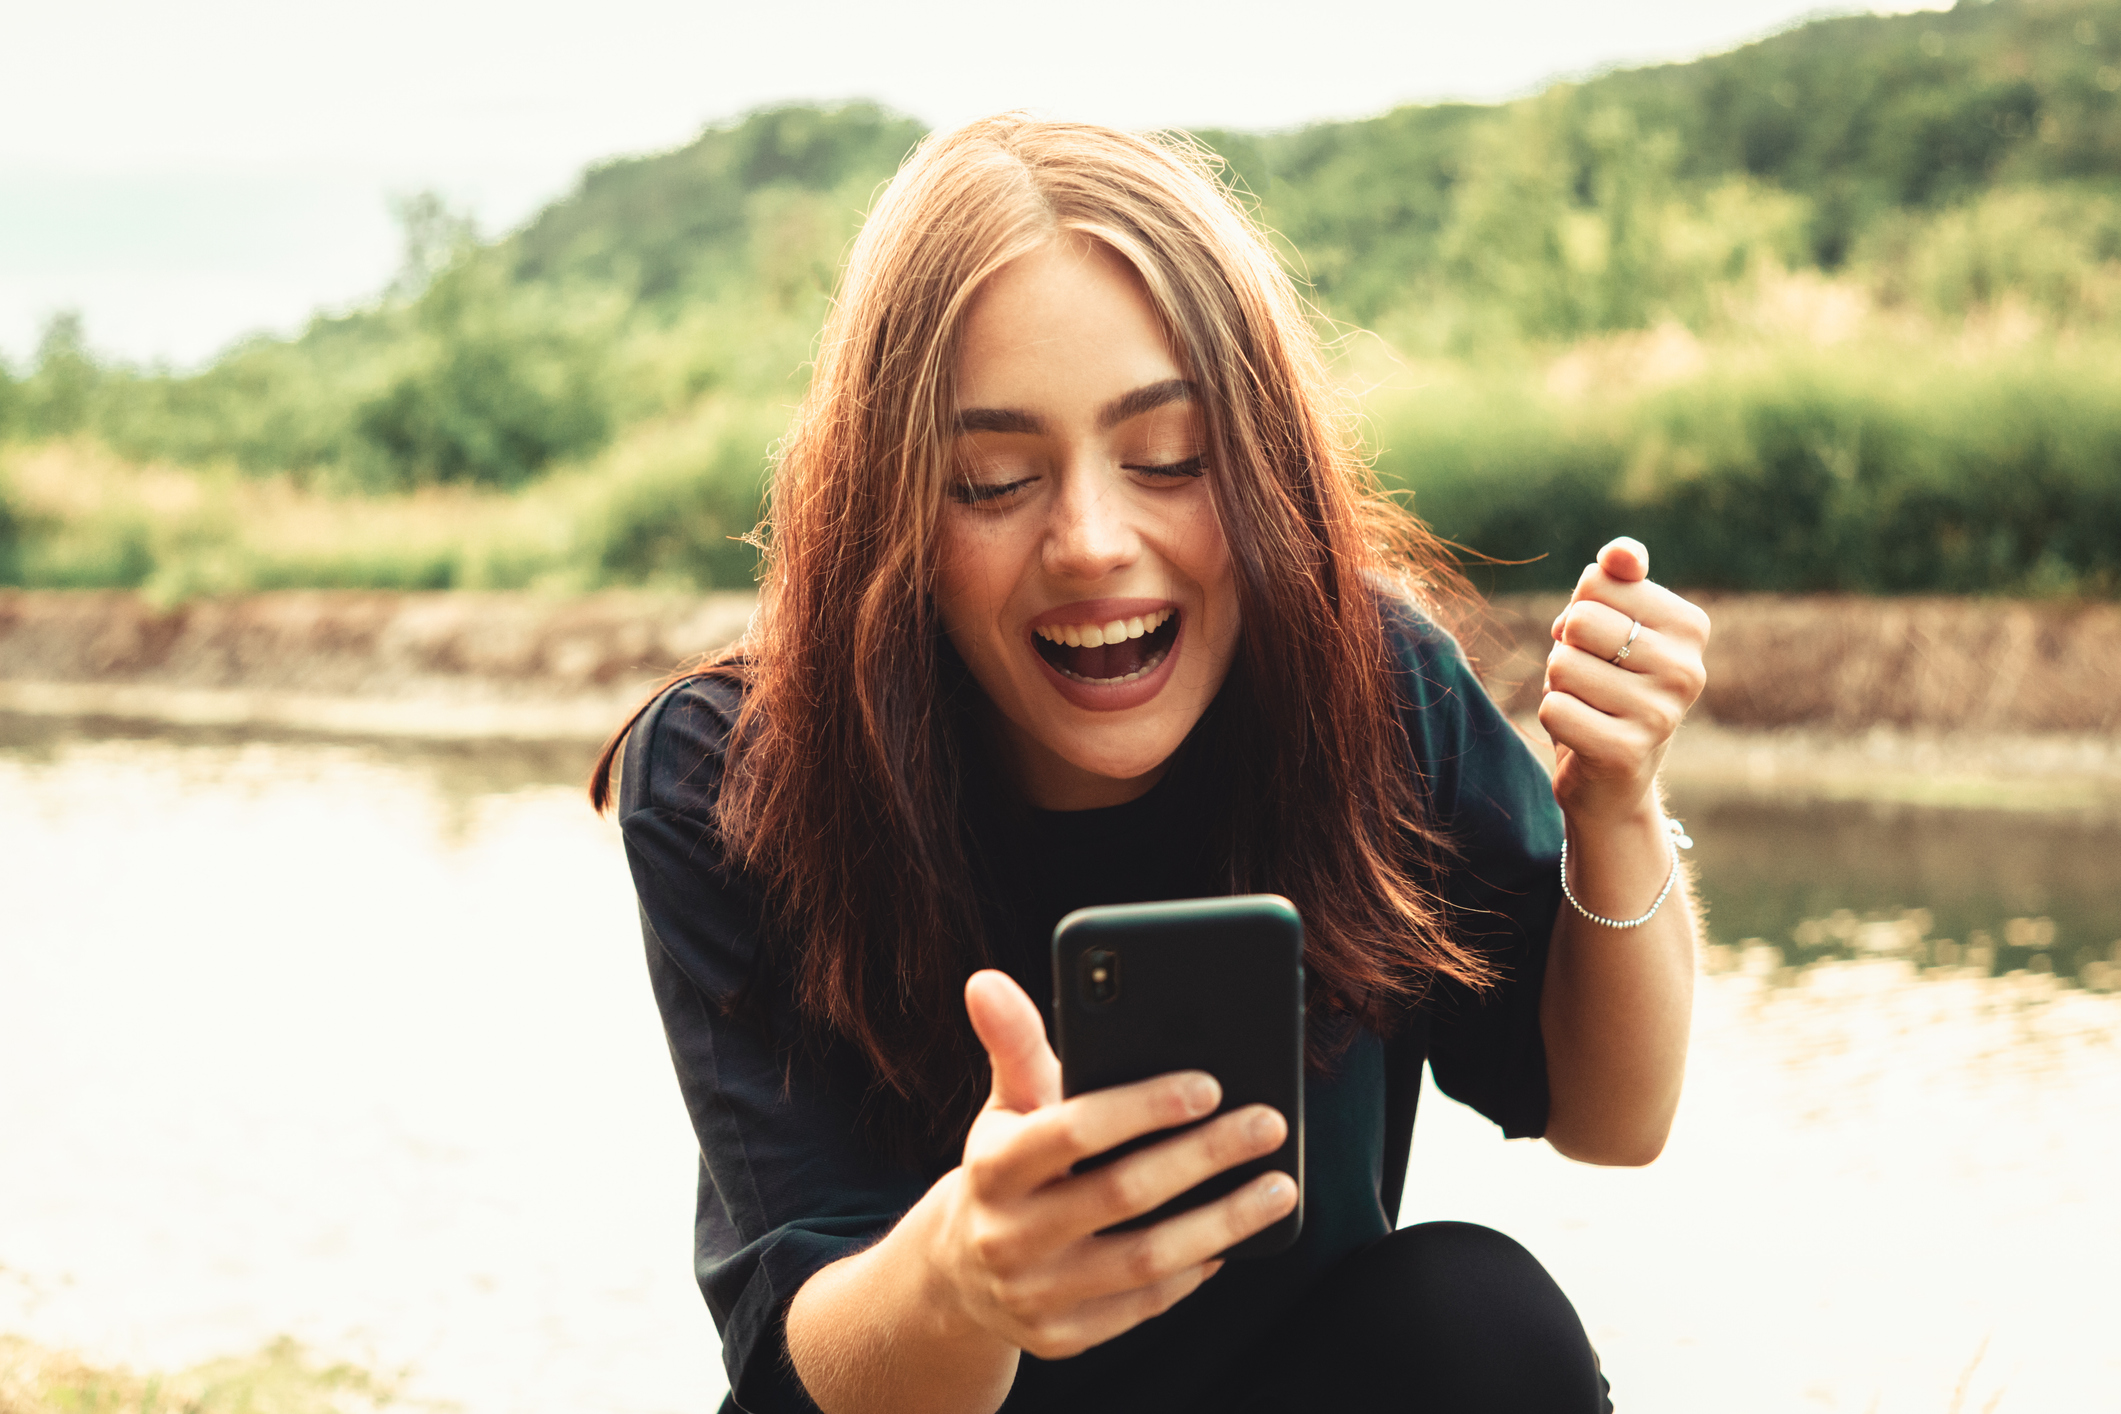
352 1041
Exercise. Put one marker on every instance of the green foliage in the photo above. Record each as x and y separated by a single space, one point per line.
436 238
1865 114
667 505
683 223
500 385
1359 207
2055 249
58 398
1818 474
12 535
659 280
672 509
1621 201
590 399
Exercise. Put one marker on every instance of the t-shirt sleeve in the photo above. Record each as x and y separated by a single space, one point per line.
787 1184
1501 890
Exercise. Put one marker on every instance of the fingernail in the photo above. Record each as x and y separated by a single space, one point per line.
1262 1127
1202 1093
1273 1195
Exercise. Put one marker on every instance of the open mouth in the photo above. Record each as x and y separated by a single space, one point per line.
1108 654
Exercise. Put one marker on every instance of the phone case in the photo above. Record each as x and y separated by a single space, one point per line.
1213 984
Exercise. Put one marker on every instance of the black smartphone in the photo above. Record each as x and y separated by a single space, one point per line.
1214 984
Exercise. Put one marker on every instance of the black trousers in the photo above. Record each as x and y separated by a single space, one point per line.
1443 1317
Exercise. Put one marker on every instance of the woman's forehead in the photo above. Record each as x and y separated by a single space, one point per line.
1067 325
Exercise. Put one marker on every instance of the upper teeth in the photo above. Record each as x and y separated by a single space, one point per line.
1097 635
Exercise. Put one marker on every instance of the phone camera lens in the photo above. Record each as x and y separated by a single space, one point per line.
1101 976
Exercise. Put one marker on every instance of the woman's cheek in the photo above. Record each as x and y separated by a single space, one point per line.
976 575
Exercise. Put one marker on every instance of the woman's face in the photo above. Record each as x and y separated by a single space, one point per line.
1084 578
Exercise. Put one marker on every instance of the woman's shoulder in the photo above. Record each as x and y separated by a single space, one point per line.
1477 767
676 745
699 913
1427 662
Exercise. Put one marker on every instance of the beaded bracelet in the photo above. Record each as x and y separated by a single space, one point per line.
1678 841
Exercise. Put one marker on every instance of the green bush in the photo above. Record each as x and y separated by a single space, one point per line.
11 403
498 383
2056 250
1822 475
673 507
12 534
59 397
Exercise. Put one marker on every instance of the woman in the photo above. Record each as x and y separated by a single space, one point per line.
1075 594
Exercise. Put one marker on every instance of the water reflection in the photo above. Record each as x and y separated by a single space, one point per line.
351 1039
1788 885
345 1040
457 773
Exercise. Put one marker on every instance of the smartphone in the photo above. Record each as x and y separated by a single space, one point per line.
1214 984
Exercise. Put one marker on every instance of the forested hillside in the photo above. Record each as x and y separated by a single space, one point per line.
1838 309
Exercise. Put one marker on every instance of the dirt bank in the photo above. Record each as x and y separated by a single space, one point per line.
1841 665
441 665
1830 677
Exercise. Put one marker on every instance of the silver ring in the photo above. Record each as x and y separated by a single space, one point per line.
1634 632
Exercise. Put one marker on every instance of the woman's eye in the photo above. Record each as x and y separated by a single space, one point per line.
976 493
1191 466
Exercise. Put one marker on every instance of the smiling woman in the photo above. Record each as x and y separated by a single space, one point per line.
1075 595
1081 456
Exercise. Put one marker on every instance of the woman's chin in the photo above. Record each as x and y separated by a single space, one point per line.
1086 779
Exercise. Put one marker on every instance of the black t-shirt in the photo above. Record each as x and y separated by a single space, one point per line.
787 1183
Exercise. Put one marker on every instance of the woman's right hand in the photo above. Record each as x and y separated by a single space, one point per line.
1015 1246
1002 1254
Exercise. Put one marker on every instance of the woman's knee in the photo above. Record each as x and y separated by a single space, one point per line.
1447 1274
1450 1316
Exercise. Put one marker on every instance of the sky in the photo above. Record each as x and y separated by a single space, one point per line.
187 173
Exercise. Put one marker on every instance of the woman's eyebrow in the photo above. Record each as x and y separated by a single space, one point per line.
1147 398
998 420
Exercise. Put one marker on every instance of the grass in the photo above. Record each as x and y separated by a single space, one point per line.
660 508
1815 438
1900 456
280 1378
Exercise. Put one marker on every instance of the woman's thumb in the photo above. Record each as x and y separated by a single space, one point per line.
1026 1074
1625 557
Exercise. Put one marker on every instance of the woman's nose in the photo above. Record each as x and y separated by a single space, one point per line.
1090 535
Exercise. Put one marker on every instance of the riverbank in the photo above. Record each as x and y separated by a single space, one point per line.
447 667
1987 702
1984 703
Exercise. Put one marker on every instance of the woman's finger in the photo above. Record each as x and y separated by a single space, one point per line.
1147 1179
1045 1145
1606 744
1654 687
1596 633
1656 606
1600 630
1625 558
1131 1259
1079 1327
1128 1261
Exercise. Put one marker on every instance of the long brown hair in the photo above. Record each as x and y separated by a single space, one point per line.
846 785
